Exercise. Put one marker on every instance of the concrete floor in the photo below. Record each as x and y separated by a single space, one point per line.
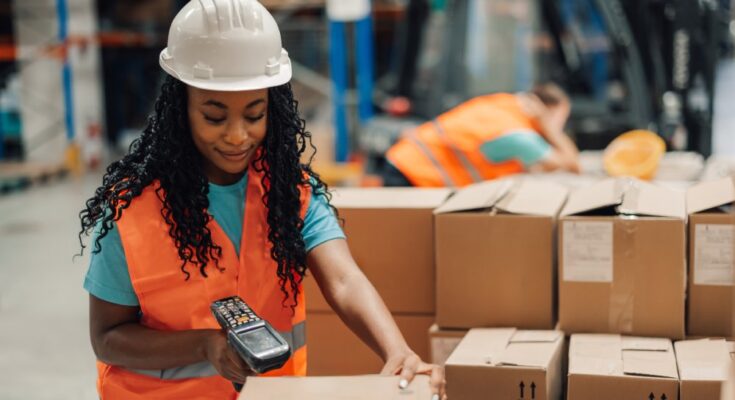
44 345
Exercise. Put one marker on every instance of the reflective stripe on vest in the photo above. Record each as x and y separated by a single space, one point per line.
421 146
468 166
295 338
458 154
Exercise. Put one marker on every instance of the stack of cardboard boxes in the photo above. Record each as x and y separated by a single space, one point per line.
515 259
495 255
390 233
622 269
711 274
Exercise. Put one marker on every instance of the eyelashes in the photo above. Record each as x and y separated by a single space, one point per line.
214 121
218 121
255 119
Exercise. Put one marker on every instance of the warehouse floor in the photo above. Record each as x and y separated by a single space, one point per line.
44 347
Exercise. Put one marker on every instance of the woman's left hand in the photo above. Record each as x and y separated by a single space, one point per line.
408 365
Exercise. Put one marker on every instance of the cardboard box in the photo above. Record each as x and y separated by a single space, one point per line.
506 364
390 232
334 350
442 343
711 259
346 387
495 255
728 391
613 367
622 260
703 367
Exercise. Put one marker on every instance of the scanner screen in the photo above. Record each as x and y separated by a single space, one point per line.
259 340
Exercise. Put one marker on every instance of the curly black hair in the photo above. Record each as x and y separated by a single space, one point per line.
166 152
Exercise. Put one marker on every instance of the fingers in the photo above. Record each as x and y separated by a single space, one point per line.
224 358
237 368
391 367
411 365
408 370
438 383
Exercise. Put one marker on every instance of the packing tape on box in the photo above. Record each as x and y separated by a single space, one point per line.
621 186
622 288
627 192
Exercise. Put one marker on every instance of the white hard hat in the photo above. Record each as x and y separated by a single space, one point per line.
226 45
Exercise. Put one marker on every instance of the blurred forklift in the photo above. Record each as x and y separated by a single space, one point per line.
626 64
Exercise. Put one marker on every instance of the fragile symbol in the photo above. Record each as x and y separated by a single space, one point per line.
522 386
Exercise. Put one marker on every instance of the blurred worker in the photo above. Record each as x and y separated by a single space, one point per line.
487 137
210 202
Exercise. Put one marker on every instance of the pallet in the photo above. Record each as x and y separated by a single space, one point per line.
16 176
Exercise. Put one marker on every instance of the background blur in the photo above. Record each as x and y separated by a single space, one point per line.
79 77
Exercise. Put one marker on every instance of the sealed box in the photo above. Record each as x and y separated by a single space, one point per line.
506 364
330 387
334 350
614 367
728 391
390 232
711 260
495 255
703 367
622 260
442 343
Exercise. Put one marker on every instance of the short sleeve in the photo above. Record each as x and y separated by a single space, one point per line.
528 147
108 277
320 223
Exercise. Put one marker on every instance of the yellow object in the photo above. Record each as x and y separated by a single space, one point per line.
339 174
73 159
635 153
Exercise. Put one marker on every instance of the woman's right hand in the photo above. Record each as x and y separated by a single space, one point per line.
225 359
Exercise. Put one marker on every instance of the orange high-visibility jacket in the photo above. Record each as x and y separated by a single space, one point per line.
168 302
446 152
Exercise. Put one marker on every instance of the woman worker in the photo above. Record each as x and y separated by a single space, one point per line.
210 202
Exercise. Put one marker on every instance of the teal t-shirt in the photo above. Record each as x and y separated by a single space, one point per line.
108 278
526 146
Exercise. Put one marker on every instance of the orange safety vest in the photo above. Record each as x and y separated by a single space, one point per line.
446 152
168 302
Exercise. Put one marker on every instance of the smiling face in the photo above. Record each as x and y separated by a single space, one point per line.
227 128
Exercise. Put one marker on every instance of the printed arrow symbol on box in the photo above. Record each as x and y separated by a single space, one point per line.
522 386
663 396
651 396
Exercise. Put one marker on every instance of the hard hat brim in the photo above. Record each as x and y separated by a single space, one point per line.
232 84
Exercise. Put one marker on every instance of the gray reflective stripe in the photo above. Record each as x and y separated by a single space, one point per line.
296 338
199 370
445 177
468 166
